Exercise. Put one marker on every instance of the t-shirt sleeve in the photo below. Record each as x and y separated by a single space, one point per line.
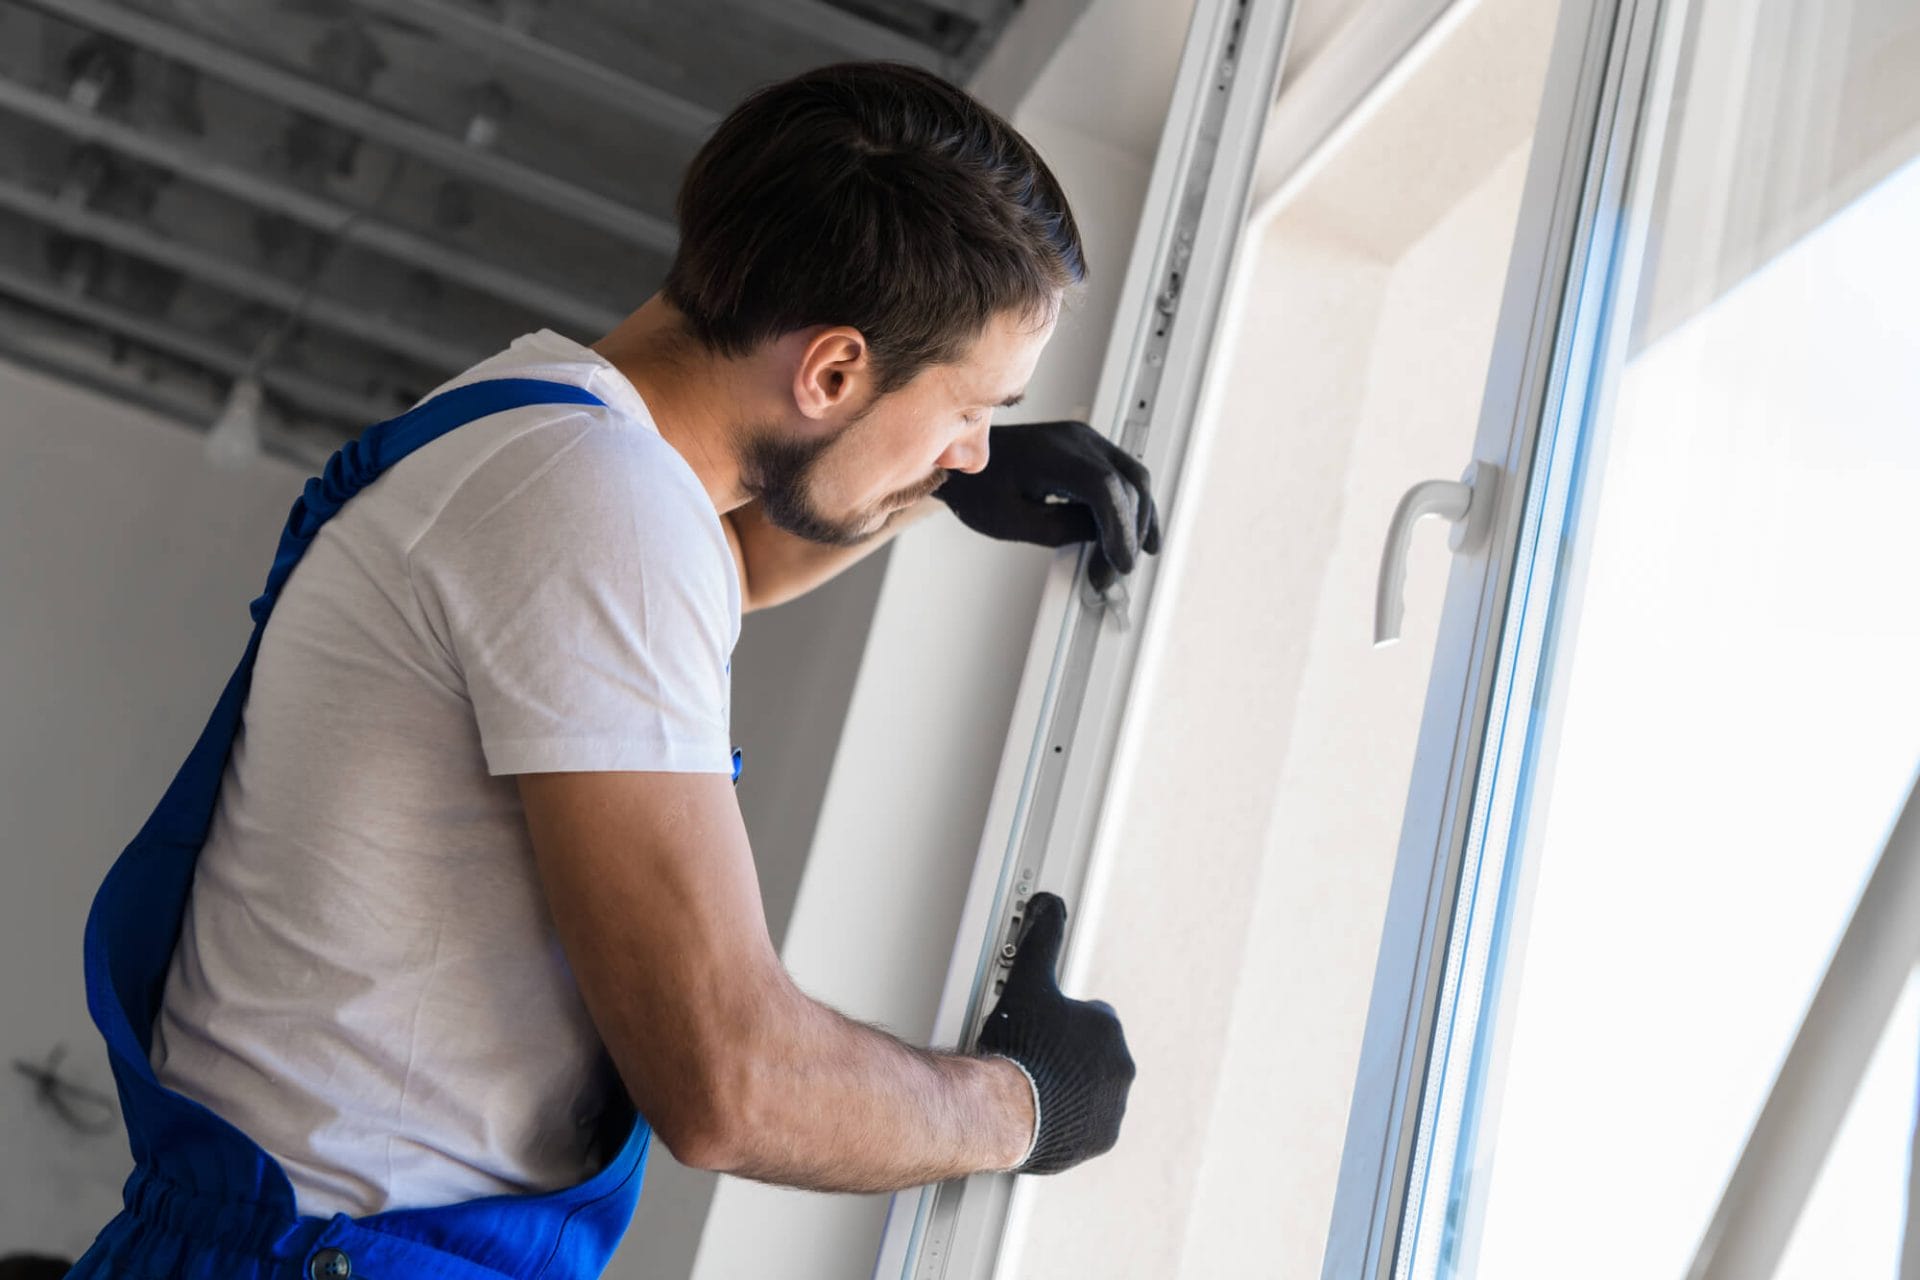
580 582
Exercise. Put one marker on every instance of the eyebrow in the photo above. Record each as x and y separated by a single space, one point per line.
1013 400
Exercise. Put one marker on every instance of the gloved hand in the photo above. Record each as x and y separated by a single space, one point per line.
1072 1050
1105 492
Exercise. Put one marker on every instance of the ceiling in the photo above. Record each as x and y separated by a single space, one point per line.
351 200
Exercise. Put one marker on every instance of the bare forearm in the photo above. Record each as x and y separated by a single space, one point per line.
831 1104
779 566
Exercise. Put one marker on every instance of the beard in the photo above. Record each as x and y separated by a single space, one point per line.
777 473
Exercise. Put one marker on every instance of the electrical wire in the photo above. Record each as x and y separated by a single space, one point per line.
269 348
80 1108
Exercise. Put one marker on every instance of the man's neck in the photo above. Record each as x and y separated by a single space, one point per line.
695 399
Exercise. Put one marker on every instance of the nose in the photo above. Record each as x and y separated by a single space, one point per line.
968 453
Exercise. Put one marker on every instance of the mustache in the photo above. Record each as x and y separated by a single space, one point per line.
913 493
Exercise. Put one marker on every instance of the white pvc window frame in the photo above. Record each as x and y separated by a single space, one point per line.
1043 824
1569 280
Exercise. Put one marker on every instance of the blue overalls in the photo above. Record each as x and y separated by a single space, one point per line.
204 1201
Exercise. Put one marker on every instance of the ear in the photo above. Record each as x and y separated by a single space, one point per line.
833 374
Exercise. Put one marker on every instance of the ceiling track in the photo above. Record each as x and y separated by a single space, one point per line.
328 216
132 238
386 127
848 31
305 449
298 388
463 28
979 12
315 212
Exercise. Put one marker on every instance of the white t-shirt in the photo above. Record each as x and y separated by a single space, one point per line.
367 981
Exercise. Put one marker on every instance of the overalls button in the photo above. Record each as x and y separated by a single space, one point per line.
330 1264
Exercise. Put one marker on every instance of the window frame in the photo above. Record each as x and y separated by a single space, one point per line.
1043 826
1603 88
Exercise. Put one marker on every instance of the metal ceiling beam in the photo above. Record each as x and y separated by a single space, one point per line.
381 125
463 28
305 449
980 12
845 30
324 215
235 278
298 388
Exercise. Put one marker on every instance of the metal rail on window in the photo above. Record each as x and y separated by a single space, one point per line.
1192 224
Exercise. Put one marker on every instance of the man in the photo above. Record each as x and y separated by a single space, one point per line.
469 885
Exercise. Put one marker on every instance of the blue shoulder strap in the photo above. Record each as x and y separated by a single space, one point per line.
136 915
360 461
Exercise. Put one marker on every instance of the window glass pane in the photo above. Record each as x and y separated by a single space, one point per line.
1731 712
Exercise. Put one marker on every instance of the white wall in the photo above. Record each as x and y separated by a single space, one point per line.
126 565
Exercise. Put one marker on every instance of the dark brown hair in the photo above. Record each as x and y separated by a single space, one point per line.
874 195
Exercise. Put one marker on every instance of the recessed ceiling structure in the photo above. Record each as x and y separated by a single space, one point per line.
348 201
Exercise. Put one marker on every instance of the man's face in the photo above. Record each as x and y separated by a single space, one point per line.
842 489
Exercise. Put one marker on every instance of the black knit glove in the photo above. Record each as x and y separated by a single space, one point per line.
1072 1050
1098 491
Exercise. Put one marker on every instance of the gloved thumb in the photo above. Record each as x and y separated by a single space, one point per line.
1036 961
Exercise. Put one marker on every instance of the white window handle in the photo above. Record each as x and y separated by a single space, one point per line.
1467 503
